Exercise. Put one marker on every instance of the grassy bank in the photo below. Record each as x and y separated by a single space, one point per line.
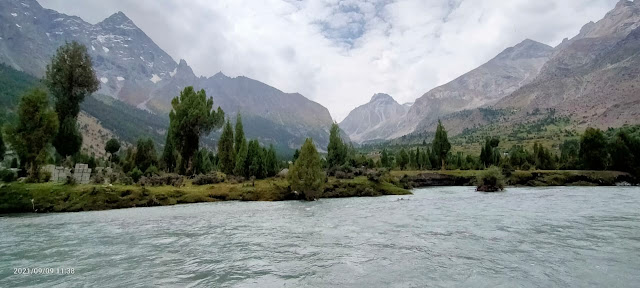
54 197
536 178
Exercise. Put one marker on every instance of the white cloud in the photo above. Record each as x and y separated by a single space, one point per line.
340 52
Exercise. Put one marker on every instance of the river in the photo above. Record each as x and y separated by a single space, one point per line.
438 237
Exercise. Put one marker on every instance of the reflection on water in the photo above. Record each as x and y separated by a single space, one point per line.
567 237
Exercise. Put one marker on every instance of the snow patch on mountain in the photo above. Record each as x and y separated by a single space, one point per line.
155 78
104 80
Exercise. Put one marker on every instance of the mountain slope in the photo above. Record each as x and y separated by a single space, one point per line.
133 69
364 122
593 78
485 85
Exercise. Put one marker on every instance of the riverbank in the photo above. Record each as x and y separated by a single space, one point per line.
54 197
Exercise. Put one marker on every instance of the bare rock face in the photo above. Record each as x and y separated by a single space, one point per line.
593 78
485 85
364 123
133 69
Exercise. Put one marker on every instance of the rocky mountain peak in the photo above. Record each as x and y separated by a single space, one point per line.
525 50
381 97
617 22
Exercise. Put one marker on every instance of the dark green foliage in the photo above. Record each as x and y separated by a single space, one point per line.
70 78
13 84
145 155
135 174
208 179
169 153
518 156
593 150
226 152
152 170
256 160
306 175
543 158
271 162
112 147
296 154
68 141
570 154
242 164
624 149
7 176
202 162
3 148
490 154
385 160
14 163
239 134
337 149
441 145
32 134
191 117
402 160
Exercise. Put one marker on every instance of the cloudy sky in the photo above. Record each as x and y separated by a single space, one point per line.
340 52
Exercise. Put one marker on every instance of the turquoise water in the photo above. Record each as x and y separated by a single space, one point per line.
439 237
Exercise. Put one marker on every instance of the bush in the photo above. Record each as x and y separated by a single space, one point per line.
344 175
491 180
526 166
98 178
162 180
45 176
135 174
70 180
152 170
375 175
7 176
211 178
14 163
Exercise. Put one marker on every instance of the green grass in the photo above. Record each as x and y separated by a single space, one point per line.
55 197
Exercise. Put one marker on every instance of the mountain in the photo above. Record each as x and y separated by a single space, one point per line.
593 78
133 69
364 122
485 85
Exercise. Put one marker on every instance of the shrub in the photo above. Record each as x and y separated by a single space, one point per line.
375 175
14 163
162 180
526 166
70 180
135 174
7 176
45 176
491 180
152 170
211 178
98 178
344 175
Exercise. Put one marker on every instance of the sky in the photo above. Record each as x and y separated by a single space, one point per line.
341 52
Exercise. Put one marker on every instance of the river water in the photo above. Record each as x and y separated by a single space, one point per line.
438 237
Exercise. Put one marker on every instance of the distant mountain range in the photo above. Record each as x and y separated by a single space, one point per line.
134 70
593 78
364 122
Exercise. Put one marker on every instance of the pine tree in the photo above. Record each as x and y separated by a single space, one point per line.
337 150
145 155
192 115
384 159
239 135
441 145
36 127
241 162
169 154
402 159
412 160
255 159
306 175
296 154
593 149
70 78
226 152
3 149
271 162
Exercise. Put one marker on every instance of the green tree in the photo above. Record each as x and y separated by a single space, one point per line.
256 160
306 175
169 153
296 154
145 155
192 116
441 145
202 162
385 161
112 147
402 159
239 135
3 149
412 160
36 127
569 154
624 149
337 150
70 78
593 149
226 152
241 168
271 162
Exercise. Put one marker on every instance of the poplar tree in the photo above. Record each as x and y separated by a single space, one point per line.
337 150
239 135
441 145
70 78
241 168
226 152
